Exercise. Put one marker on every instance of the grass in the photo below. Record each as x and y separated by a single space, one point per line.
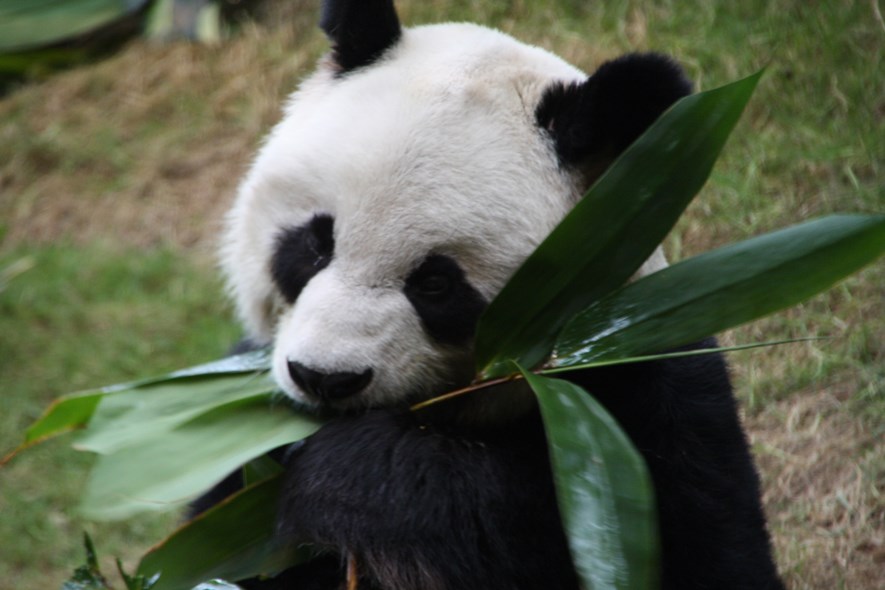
114 176
75 318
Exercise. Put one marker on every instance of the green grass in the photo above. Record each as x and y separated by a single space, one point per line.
116 287
77 317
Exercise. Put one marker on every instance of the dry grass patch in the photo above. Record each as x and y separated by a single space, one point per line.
145 148
823 471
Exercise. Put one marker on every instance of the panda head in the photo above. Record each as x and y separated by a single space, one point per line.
411 175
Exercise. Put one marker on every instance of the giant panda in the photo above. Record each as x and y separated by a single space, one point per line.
410 176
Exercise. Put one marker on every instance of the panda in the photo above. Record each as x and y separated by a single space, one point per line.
409 178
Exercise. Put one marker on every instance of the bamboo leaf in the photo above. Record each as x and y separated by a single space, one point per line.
255 361
608 235
233 540
248 362
76 410
721 289
135 582
65 414
553 370
127 417
260 468
165 471
603 487
26 24
87 576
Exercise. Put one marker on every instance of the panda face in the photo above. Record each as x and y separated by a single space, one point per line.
391 204
388 208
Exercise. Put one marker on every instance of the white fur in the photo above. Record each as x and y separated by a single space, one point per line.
432 150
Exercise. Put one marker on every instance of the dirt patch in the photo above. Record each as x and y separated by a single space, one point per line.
823 470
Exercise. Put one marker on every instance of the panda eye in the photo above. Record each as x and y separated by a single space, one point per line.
301 252
434 279
446 303
435 285
320 242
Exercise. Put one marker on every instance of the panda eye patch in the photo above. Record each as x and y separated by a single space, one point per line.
449 306
433 286
301 252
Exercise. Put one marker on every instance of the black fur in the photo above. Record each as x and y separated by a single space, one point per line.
599 118
302 252
360 30
449 306
427 505
424 505
323 573
682 416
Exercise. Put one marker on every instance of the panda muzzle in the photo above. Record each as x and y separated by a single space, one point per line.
328 387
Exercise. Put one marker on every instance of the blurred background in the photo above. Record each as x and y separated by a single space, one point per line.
125 126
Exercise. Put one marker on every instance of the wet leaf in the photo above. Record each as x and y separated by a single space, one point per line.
87 576
165 471
76 410
612 231
721 289
233 540
603 487
126 417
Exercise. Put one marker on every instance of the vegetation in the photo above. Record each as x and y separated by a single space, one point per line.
109 238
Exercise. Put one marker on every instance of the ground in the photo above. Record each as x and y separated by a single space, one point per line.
114 178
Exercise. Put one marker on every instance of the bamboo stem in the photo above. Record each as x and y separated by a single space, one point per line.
352 575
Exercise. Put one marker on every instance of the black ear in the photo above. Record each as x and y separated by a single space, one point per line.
596 120
360 30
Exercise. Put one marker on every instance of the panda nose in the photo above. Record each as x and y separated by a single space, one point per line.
328 386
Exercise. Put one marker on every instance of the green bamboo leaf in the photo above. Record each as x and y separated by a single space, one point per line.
256 361
234 540
67 413
248 362
127 417
168 470
87 576
608 235
135 582
553 370
721 289
603 487
75 411
260 468
26 24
